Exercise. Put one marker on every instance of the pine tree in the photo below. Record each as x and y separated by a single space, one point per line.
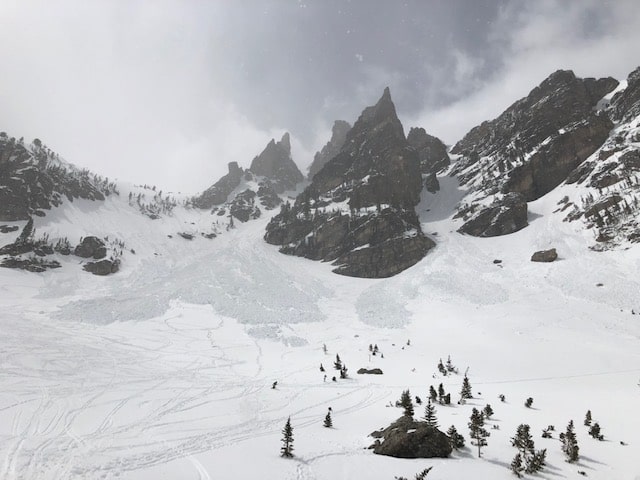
594 431
570 443
430 415
327 420
338 363
433 395
533 461
287 440
321 368
441 394
449 366
488 411
343 371
477 430
455 439
528 402
406 403
441 368
587 419
465 392
516 465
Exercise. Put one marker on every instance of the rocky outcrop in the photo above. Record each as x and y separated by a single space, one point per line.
625 105
103 267
268 196
33 179
505 215
32 264
358 211
407 438
91 247
545 256
552 163
431 151
243 207
276 164
331 149
219 192
369 371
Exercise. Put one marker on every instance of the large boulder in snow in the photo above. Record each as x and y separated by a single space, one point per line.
103 267
545 256
91 247
407 438
505 215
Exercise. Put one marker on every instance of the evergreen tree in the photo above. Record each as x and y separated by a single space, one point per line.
441 368
455 439
594 431
287 440
516 465
533 461
441 394
447 399
587 419
343 371
321 368
488 411
338 363
528 402
465 392
406 403
433 395
477 430
449 366
327 420
570 443
430 415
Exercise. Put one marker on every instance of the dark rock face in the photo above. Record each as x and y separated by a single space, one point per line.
218 192
29 264
625 105
276 164
91 247
431 151
369 371
358 211
553 162
431 183
331 149
545 256
8 228
103 267
33 179
243 207
506 215
268 196
406 438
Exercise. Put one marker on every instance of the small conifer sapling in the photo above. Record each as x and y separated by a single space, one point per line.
287 440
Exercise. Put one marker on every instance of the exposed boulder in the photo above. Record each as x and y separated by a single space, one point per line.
219 192
331 149
8 228
545 256
407 438
431 151
505 215
91 247
103 267
359 211
431 183
276 164
369 371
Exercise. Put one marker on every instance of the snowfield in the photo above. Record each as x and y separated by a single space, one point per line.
165 369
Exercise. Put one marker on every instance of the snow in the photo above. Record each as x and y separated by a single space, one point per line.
165 369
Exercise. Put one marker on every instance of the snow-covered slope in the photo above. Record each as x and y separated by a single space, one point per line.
165 369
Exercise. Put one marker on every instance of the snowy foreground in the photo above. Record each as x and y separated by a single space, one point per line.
164 370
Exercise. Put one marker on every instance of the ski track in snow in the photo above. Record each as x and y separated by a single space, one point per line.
165 370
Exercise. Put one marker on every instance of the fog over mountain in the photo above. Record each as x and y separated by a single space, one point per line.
170 92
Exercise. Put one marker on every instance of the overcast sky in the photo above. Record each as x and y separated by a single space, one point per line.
167 92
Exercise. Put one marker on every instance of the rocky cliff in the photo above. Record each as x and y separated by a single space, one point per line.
276 164
217 193
331 149
358 211
531 148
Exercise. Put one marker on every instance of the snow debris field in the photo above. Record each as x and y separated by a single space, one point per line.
165 369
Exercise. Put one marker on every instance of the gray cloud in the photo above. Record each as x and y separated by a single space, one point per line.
168 92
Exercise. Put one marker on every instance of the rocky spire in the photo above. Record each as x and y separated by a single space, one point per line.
276 164
331 149
219 192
